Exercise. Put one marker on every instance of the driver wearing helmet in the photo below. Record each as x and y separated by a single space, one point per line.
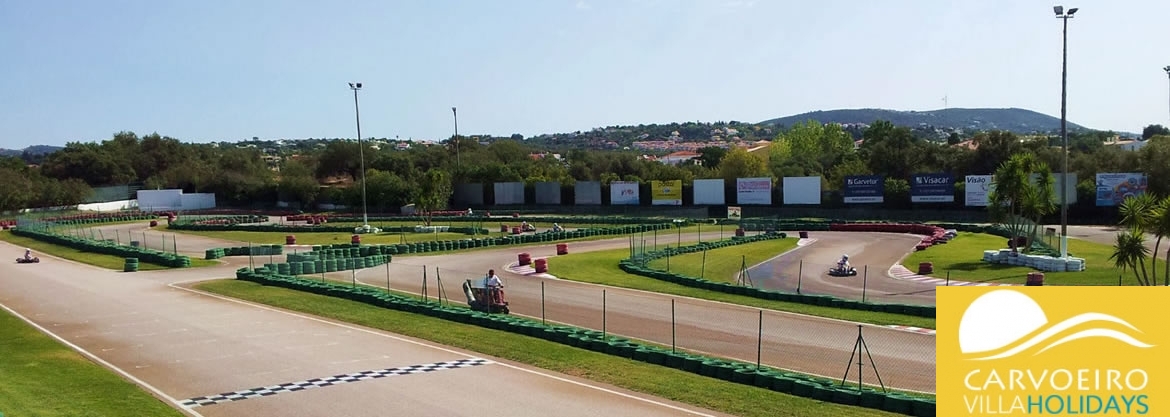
843 263
27 254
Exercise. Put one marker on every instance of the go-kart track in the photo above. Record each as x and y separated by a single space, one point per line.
223 357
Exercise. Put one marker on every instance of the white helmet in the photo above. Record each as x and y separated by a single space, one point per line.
846 257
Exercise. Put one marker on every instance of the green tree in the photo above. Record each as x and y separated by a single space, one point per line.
298 182
1154 159
1022 196
711 155
434 192
1154 130
739 163
1139 215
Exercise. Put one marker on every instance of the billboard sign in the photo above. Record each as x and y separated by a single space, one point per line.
932 188
864 189
1114 188
978 190
753 190
709 192
587 193
623 193
666 193
802 190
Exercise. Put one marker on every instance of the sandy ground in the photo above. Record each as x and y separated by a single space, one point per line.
183 344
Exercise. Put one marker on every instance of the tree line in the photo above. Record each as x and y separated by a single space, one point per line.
331 173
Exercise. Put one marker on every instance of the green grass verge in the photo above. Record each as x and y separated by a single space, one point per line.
650 379
601 267
41 377
116 263
963 258
723 264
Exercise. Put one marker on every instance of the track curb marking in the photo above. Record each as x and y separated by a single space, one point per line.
898 271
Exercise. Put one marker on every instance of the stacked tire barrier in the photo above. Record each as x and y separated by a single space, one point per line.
636 266
217 223
290 228
216 253
333 258
106 248
131 265
608 220
732 371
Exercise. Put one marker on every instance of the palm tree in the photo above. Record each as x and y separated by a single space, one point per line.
1139 214
1130 252
1022 195
1160 227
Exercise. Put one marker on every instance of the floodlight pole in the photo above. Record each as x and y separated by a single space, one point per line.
1167 69
361 151
458 161
1065 16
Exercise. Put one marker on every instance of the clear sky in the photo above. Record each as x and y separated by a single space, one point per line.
74 70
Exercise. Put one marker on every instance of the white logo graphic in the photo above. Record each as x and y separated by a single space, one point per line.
1001 318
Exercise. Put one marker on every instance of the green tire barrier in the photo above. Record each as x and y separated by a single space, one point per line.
217 253
288 228
131 265
608 220
731 371
447 245
215 222
106 248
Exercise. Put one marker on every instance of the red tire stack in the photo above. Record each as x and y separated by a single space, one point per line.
562 249
290 240
524 259
355 239
541 265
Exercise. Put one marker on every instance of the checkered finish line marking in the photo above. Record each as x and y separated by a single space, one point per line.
333 380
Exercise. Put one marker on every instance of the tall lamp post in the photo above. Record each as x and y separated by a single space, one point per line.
459 162
1167 69
361 153
1065 16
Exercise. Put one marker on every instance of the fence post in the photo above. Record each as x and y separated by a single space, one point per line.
603 336
703 268
672 327
799 275
387 277
680 234
864 281
760 341
948 278
542 317
655 240
700 224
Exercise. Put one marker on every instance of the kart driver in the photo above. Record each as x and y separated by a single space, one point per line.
843 264
27 254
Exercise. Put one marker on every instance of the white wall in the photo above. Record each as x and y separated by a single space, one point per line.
197 201
160 200
587 193
109 206
802 190
709 192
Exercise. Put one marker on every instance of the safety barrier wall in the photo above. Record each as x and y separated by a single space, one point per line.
475 217
732 371
105 247
216 253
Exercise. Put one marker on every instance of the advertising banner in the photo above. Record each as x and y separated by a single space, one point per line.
509 193
932 188
548 193
468 194
709 192
623 193
753 190
734 213
587 193
1112 188
666 193
977 190
802 190
864 189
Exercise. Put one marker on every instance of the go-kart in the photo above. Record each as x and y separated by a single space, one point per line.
527 228
843 272
33 260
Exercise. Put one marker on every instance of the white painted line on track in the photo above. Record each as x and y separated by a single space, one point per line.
428 345
103 362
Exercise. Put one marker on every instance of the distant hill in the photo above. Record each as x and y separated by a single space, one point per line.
33 150
961 120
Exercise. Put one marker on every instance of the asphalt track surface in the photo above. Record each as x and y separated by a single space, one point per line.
187 347
807 344
184 344
806 269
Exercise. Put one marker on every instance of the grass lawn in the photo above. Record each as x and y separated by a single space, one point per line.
601 267
116 263
650 379
963 258
41 377
724 264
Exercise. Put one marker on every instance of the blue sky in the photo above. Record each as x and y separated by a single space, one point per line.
222 70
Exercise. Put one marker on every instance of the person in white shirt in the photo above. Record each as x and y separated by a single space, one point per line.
495 286
27 254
